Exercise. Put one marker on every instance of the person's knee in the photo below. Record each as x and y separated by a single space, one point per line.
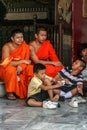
29 102
74 91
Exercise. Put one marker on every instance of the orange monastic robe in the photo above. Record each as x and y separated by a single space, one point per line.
47 52
8 72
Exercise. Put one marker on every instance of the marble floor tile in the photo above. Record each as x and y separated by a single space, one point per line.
15 115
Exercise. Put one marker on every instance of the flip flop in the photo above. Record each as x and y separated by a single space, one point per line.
11 97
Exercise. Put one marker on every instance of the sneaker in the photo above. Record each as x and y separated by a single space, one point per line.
80 99
62 98
56 104
49 105
73 102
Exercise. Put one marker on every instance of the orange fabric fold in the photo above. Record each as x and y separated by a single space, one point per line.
8 72
8 60
47 52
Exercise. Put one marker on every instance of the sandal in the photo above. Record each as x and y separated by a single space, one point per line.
10 96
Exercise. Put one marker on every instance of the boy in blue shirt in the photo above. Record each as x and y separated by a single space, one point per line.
73 79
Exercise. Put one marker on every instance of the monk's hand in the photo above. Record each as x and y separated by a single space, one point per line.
57 63
19 69
27 62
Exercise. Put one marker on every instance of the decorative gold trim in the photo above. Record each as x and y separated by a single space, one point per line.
43 1
84 8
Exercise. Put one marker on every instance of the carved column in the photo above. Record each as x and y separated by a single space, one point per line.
60 44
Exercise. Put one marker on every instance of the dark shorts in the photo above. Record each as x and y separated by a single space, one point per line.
67 88
43 95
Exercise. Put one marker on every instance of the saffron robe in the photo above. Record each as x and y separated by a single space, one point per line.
9 75
47 52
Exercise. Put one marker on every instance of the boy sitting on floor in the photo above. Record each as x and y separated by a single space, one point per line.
40 88
73 80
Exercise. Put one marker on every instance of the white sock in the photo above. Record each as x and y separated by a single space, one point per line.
62 93
68 95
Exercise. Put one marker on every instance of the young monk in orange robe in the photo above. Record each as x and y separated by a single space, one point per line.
43 52
15 68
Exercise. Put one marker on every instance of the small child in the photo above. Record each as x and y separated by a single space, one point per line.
73 79
40 88
83 55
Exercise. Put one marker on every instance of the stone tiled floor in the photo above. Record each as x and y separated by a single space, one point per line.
15 115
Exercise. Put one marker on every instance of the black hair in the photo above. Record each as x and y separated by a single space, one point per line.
81 47
40 28
38 67
15 31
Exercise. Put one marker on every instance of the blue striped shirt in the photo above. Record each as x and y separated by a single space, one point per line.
73 79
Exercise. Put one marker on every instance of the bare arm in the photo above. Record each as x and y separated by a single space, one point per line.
16 63
58 77
6 53
36 59
48 85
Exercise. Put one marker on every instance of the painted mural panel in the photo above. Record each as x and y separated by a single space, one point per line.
84 8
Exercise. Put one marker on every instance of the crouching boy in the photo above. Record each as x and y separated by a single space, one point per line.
40 89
